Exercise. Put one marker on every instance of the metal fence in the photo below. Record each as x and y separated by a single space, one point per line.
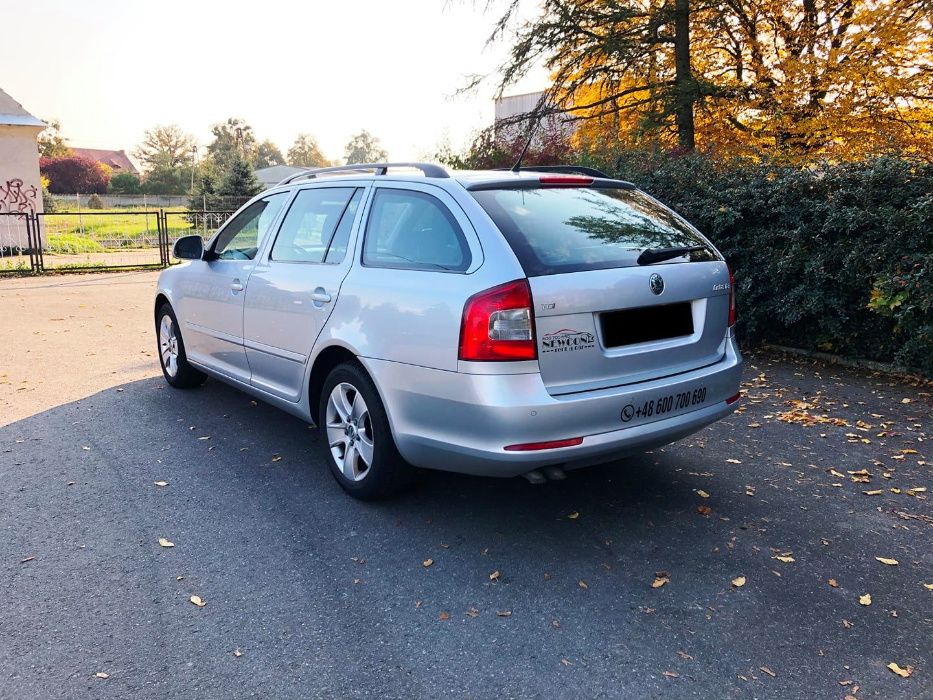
95 240
82 202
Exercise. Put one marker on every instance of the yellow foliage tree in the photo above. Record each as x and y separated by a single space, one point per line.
793 79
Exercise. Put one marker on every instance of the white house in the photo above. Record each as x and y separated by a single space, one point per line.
512 122
20 189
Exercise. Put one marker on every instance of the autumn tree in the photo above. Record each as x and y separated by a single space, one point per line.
233 139
166 148
267 155
51 142
794 78
306 153
364 148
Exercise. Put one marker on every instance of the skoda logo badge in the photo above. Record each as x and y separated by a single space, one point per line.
656 282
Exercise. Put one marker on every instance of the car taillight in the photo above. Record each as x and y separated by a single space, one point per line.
497 324
731 298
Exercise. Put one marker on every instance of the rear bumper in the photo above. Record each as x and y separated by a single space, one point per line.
461 422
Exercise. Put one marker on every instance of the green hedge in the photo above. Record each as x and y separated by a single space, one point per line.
836 258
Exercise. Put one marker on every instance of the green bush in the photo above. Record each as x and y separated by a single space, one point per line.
835 258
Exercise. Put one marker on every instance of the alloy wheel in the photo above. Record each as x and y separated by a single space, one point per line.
349 431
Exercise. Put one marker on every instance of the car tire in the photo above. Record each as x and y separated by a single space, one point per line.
175 366
355 436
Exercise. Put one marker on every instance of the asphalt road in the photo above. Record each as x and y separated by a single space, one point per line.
310 594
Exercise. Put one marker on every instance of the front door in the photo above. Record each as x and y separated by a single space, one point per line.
214 289
293 290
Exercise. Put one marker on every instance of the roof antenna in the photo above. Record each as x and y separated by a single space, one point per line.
536 117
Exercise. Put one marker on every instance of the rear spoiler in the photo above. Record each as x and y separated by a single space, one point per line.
549 178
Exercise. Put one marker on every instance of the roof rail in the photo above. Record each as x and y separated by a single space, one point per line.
429 170
568 169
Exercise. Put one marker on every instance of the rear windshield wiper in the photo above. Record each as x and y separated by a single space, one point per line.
649 256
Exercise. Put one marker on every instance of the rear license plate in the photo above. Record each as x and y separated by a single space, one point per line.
664 405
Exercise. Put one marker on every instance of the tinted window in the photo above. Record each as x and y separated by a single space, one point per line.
567 229
243 234
338 244
409 229
310 223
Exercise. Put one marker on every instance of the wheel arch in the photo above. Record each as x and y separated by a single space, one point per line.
324 362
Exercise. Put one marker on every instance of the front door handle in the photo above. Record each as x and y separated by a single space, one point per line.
320 296
236 286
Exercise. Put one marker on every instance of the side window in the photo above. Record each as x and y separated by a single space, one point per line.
310 223
410 229
242 236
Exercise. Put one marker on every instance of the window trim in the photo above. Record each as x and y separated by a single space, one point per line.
297 193
466 266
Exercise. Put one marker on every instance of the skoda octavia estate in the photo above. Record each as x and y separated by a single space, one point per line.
502 323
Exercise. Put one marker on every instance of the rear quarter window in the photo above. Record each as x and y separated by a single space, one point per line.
568 229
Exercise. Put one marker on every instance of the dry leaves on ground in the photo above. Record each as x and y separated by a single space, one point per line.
660 579
165 543
865 599
902 672
888 562
738 581
494 576
427 562
444 615
196 599
160 483
101 674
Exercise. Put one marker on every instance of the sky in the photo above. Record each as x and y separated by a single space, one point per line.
109 69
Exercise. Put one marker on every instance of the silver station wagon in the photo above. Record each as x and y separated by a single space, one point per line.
501 323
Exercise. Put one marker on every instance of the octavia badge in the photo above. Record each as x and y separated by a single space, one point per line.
656 282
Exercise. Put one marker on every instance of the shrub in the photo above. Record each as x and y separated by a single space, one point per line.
833 257
95 202
74 174
125 183
72 243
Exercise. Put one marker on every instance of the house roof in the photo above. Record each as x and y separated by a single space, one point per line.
14 114
273 175
117 160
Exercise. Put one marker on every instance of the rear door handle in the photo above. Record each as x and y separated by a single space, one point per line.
320 296
236 286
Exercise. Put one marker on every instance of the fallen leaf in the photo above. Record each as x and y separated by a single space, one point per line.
582 584
684 655
833 582
738 581
237 653
472 612
734 461
905 400
877 492
659 581
23 561
902 672
765 669
494 576
928 586
671 674
555 624
427 562
704 510
197 601
503 613
165 543
865 599
916 489
160 483
276 458
889 562
574 515
101 674
702 494
785 558
847 624
444 615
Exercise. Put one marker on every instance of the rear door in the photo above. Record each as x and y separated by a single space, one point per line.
601 318
292 291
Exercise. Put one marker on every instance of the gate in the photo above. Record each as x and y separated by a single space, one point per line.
93 240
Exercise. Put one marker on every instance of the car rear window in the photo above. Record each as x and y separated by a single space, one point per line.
567 229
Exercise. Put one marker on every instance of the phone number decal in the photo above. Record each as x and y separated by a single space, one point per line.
664 404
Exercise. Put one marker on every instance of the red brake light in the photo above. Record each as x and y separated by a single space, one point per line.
565 180
731 297
549 445
497 324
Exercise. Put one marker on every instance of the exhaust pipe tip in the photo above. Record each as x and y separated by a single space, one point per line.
555 473
535 477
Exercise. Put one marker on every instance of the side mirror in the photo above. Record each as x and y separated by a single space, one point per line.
188 248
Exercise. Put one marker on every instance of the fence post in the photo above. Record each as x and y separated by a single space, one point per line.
37 240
